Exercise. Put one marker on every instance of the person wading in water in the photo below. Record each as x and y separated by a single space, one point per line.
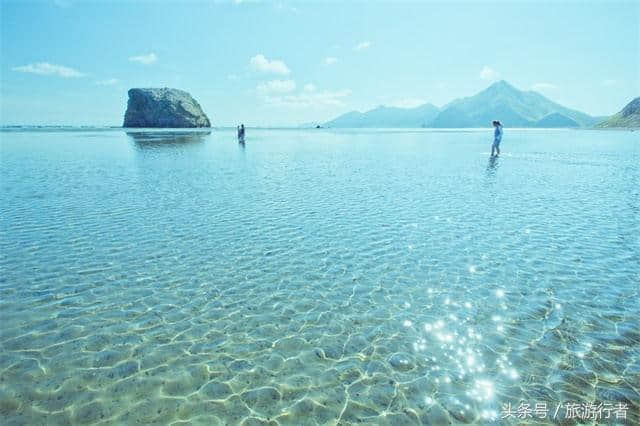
241 133
497 137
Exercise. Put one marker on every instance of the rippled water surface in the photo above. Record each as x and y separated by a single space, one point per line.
387 277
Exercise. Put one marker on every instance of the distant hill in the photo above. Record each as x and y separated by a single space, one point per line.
555 119
387 117
629 117
500 101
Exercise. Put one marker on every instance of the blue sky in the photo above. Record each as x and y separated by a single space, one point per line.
283 63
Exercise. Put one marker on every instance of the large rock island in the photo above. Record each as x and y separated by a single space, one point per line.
163 107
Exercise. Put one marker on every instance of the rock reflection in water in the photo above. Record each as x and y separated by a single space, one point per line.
163 139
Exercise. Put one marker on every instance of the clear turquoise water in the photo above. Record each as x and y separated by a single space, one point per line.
389 277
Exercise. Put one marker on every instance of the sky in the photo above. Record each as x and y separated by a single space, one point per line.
280 63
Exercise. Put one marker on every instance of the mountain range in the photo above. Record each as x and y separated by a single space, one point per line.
420 116
500 101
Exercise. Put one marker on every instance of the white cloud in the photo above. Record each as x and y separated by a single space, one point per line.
488 73
408 103
45 68
276 86
309 87
262 64
544 86
363 45
145 59
315 99
108 82
609 83
330 60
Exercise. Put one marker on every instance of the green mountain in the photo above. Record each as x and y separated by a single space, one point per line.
387 117
513 107
629 117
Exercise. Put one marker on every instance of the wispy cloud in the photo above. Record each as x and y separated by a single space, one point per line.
148 59
408 103
544 86
363 45
330 60
107 82
262 64
45 68
309 99
309 87
488 73
276 86
609 82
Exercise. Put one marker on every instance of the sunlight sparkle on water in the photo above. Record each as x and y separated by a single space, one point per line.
483 390
489 415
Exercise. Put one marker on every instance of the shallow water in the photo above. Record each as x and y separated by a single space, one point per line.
390 277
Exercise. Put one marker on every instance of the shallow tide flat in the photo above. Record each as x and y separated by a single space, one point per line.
317 276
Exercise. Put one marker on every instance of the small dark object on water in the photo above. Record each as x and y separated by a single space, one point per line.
241 133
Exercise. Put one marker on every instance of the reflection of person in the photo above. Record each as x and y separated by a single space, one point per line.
497 137
492 165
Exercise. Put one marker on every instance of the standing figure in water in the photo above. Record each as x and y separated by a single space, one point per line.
241 133
497 137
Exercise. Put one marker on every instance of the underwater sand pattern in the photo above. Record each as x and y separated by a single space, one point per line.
316 277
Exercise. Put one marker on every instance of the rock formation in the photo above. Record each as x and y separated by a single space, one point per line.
163 107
